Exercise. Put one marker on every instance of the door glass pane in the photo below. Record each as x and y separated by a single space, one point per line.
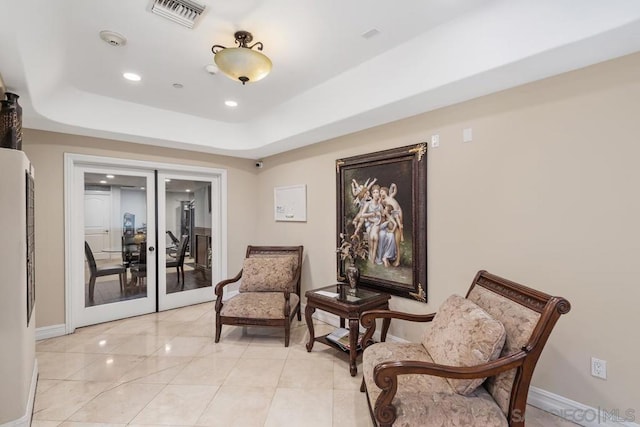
188 234
115 235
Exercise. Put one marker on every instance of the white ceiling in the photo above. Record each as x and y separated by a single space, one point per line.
327 80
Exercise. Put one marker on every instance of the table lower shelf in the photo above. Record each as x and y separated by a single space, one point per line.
323 339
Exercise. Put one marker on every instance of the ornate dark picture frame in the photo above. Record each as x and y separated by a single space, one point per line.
382 199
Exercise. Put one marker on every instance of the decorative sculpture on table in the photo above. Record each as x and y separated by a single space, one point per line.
351 248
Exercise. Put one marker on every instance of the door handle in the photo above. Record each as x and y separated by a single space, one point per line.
151 249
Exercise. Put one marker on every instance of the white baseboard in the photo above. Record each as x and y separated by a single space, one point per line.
581 414
25 420
50 331
229 295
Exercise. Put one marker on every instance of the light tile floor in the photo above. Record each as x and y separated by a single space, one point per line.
164 369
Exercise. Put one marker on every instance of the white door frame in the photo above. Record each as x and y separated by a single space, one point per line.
73 161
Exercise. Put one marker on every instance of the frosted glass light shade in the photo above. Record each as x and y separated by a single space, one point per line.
244 64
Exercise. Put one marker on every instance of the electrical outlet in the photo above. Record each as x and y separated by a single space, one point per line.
599 368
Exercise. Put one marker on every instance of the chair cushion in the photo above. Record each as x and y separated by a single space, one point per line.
107 270
426 400
463 334
258 305
267 274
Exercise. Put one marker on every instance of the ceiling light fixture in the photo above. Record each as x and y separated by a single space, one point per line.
230 103
242 62
110 176
132 77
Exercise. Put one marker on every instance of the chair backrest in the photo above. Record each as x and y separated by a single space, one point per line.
528 317
174 239
130 249
269 251
182 249
142 259
90 259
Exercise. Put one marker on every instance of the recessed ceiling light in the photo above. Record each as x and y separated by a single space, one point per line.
230 103
103 182
110 176
167 180
142 188
132 77
178 85
187 190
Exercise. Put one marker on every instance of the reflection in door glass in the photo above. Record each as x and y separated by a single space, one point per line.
188 239
115 235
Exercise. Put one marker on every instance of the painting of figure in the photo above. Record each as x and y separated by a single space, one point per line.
382 201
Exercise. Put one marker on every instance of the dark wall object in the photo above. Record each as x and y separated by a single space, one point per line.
382 200
11 122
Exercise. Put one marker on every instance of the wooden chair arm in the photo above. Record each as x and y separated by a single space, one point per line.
293 284
372 315
386 375
219 287
368 320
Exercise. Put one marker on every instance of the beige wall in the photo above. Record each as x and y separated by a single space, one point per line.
46 152
546 194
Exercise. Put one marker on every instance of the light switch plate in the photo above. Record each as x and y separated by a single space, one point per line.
467 135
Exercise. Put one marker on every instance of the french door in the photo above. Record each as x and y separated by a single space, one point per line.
140 237
190 263
116 208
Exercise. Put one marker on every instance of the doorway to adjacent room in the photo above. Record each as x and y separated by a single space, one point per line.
140 237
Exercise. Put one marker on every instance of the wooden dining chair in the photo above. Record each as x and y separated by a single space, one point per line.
106 270
178 262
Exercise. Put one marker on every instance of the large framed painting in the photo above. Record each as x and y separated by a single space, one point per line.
381 210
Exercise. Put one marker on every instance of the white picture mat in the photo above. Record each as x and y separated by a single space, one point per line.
290 203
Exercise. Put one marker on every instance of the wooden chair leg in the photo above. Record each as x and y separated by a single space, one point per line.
92 285
122 281
287 333
218 328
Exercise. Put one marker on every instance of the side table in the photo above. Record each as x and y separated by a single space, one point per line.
347 304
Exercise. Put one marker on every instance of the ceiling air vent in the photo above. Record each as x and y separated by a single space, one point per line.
184 12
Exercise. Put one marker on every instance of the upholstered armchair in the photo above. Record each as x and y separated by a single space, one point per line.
269 292
474 364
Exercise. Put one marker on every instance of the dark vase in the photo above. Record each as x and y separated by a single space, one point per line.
353 276
11 122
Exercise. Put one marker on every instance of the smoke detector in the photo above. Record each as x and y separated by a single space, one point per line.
183 12
113 38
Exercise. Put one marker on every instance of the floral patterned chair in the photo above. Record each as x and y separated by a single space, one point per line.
495 334
269 293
